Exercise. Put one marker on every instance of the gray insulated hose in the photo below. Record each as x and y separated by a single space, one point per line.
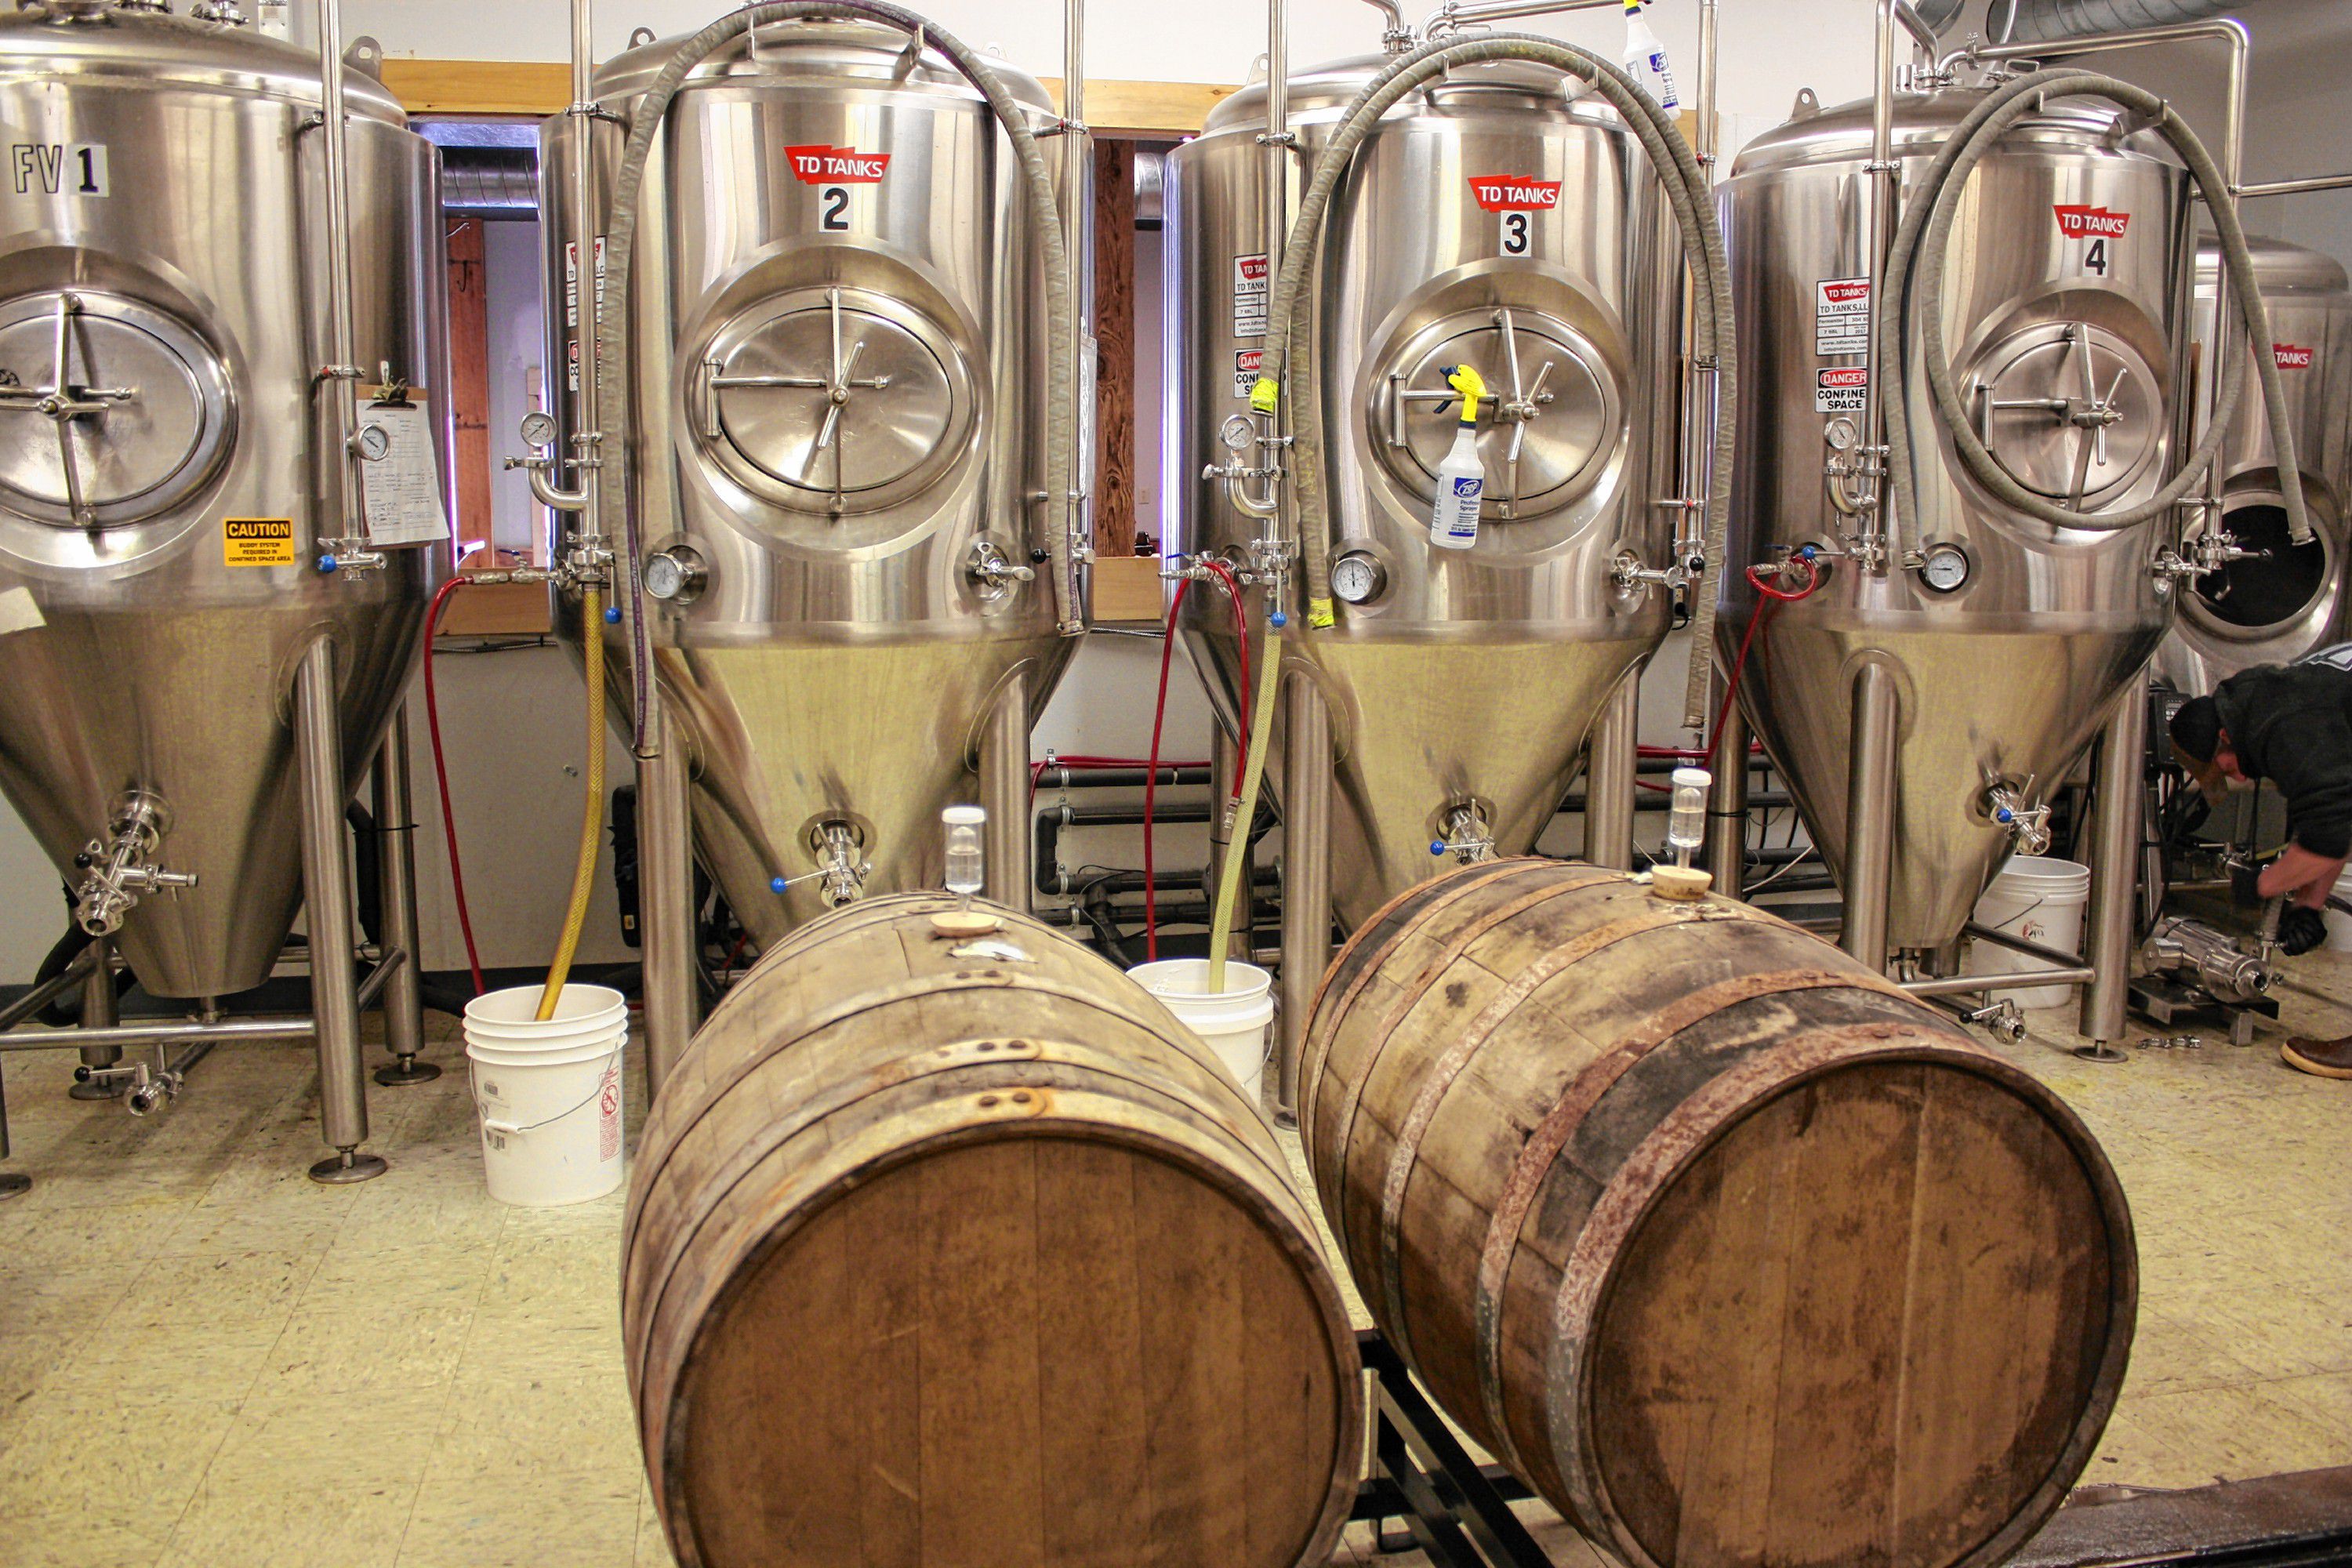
1686 193
1914 291
620 244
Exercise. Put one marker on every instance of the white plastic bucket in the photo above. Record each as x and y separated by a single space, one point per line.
1233 1023
549 1094
2339 925
2042 901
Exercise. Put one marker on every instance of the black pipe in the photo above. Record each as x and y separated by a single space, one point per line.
1118 778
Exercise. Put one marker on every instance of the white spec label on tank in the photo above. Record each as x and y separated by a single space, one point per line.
1840 316
1839 390
59 168
572 279
1252 285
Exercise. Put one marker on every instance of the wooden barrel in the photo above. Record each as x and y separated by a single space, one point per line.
947 1253
1734 1252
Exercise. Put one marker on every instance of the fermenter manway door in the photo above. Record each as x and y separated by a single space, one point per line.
1549 421
2069 410
835 400
136 409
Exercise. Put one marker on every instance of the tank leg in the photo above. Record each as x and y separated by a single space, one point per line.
1608 775
1306 876
1221 783
99 1012
1870 816
1726 807
396 827
327 900
2114 865
1005 792
666 900
11 1185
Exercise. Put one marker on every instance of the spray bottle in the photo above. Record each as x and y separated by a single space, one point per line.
1646 59
1461 478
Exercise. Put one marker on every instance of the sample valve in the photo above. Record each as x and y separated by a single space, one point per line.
2005 803
119 870
1466 833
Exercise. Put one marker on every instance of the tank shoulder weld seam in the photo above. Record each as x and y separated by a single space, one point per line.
1584 1091
1405 1153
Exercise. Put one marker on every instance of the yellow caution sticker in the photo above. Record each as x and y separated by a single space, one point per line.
1266 394
258 540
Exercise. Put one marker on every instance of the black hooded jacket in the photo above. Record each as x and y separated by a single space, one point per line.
2292 724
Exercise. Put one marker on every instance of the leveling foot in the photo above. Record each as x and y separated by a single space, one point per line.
407 1071
2100 1051
349 1167
13 1185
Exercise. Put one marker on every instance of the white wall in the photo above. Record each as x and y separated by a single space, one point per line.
1769 48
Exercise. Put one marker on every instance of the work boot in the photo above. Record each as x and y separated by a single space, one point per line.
2326 1058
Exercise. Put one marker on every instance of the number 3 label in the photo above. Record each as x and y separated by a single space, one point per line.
1515 234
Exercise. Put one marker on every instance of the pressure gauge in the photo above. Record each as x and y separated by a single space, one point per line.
675 575
1237 433
374 442
1357 578
1944 567
538 429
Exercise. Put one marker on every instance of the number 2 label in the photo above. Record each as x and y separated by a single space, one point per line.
1515 234
832 208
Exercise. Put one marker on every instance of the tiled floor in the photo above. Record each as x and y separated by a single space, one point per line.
206 1360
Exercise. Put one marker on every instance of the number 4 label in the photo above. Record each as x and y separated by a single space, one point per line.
49 168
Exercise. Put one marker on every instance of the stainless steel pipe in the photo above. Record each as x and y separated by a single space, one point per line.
327 902
1011 833
1727 806
395 829
338 383
2115 861
1870 814
1306 873
1609 770
665 932
138 1036
1958 984
98 1012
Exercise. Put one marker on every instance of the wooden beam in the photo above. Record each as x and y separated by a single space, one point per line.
469 368
1114 347
539 88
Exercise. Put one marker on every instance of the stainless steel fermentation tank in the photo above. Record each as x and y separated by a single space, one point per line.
840 377
1491 220
186 699
1987 648
2285 599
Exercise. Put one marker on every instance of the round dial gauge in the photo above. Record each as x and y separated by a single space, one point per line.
1357 578
1944 568
674 576
375 443
539 428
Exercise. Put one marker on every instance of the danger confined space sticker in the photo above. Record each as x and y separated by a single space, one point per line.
258 540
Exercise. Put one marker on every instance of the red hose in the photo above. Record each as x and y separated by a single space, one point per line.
441 778
1773 597
1151 779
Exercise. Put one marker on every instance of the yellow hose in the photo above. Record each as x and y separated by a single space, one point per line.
591 820
1229 878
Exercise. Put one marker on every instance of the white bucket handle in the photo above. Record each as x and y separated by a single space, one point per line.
508 1129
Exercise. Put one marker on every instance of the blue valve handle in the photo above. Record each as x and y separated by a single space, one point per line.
1437 847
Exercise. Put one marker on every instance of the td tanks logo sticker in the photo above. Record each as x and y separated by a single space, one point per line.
820 165
2097 225
1513 192
2292 356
